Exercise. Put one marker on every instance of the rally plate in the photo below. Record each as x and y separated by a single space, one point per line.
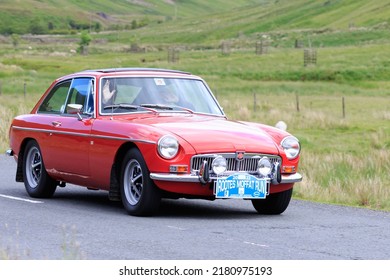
241 186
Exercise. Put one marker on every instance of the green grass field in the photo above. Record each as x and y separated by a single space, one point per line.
345 152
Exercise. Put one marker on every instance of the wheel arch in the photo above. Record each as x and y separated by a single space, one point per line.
114 191
19 168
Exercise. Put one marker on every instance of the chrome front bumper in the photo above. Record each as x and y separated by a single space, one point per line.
9 152
189 178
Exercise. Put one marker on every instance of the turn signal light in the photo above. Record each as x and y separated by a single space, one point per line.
288 169
178 168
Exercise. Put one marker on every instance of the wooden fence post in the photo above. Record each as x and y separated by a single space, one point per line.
262 46
298 44
254 102
309 57
173 54
225 48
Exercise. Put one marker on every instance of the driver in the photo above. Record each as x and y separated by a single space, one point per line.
108 93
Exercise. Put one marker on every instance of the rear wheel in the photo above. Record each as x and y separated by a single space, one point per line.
140 197
36 180
274 204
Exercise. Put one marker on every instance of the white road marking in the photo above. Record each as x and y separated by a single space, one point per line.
255 244
20 199
178 228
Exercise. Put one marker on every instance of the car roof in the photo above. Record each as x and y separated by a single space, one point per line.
116 70
129 71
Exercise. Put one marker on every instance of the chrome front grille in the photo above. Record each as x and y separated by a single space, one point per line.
247 164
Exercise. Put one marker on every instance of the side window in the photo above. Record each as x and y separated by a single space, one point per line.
55 100
81 93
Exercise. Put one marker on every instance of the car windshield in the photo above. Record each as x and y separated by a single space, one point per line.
123 95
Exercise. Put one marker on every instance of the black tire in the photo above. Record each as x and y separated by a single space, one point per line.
140 196
36 180
274 204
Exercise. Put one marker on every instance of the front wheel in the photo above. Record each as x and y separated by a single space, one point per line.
140 197
36 180
274 204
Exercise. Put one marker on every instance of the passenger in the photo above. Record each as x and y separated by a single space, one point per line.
169 97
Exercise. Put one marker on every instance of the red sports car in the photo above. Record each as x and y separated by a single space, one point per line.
147 134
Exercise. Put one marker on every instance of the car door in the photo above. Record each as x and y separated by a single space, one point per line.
69 115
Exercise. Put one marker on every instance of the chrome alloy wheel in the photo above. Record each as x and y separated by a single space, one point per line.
33 167
133 182
139 195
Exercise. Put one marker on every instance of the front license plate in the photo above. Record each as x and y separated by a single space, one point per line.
241 186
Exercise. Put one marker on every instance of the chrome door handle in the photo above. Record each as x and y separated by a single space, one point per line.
56 123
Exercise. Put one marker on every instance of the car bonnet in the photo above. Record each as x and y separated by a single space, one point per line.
213 134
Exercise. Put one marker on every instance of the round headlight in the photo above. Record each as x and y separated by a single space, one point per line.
168 147
291 147
264 166
219 165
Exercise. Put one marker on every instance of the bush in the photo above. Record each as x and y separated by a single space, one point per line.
85 39
37 27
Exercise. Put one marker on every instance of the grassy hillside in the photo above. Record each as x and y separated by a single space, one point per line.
203 20
48 16
283 18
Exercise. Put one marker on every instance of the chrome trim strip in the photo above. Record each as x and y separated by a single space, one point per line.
83 134
123 139
50 131
189 178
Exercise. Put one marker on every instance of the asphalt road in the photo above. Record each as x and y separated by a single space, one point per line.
81 224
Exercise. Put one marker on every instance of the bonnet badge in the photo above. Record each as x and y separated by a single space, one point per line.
240 155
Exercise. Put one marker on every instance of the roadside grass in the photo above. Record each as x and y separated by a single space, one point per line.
346 179
12 249
70 247
343 160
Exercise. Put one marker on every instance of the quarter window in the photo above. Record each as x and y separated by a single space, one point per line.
55 100
68 96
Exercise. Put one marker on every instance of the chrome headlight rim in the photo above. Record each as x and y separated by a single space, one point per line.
291 147
219 165
168 147
264 166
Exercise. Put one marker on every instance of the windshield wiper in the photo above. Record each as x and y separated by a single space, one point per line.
185 109
114 107
149 107
121 105
166 107
157 106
